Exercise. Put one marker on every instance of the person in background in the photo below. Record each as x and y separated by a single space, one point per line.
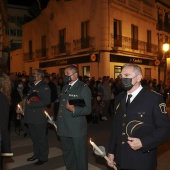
12 112
53 89
161 87
39 97
140 124
5 96
71 120
20 99
57 101
105 91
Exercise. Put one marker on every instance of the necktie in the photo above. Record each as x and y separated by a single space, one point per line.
128 100
68 88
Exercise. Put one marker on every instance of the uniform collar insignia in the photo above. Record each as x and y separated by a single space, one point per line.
163 108
73 95
35 91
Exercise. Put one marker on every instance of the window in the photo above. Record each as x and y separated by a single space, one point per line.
147 73
166 21
13 32
117 33
30 49
148 41
43 46
134 35
117 71
61 72
160 19
19 18
12 19
85 34
7 31
30 70
166 39
62 40
19 33
86 71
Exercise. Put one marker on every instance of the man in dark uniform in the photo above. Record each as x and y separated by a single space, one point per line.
140 124
71 121
38 99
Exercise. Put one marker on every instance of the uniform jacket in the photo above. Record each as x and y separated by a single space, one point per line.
148 107
74 124
34 112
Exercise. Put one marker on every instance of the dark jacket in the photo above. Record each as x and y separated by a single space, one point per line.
149 108
4 116
34 112
74 124
53 89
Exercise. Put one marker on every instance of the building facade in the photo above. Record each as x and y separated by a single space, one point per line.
163 34
4 42
16 17
100 36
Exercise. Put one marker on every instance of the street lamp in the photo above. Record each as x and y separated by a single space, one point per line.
165 48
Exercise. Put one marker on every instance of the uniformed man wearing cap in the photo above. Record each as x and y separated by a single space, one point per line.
71 120
38 98
140 124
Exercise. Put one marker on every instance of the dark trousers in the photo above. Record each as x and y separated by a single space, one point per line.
75 152
39 138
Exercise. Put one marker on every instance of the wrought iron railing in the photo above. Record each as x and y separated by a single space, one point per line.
61 48
41 53
28 56
130 44
84 43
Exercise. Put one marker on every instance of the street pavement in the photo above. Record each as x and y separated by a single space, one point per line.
22 149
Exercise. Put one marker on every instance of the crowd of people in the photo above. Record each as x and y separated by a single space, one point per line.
31 94
103 90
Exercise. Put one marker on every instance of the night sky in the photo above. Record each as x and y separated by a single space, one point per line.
27 2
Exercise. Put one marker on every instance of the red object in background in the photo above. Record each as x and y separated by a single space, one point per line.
34 97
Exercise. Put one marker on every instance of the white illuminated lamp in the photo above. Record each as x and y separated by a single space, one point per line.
165 47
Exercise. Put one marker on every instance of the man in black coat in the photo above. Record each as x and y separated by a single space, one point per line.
53 89
38 99
140 124
71 120
5 91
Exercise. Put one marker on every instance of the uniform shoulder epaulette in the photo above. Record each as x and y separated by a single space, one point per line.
156 92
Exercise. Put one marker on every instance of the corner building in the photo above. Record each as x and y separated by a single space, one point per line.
98 35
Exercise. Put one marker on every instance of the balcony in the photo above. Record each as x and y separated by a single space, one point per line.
61 48
163 26
131 45
84 43
28 56
41 53
15 46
